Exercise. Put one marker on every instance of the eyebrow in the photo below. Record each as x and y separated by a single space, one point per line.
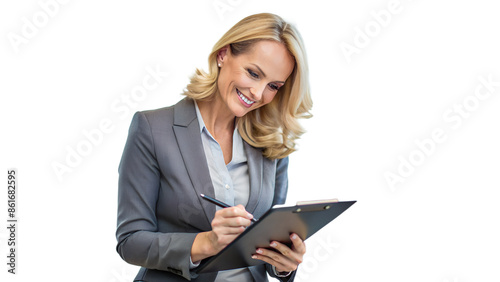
263 74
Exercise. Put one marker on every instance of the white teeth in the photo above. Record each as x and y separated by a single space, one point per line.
249 102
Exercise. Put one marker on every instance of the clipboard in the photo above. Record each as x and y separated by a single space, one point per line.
305 219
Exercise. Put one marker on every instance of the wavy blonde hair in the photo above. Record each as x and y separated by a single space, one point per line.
274 126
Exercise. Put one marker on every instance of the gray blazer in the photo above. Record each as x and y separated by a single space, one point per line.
161 174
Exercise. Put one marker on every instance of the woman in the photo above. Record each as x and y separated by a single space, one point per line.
229 139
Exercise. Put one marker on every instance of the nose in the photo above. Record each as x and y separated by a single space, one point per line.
257 91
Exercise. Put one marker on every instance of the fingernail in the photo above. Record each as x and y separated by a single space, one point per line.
254 257
259 251
273 244
294 236
249 215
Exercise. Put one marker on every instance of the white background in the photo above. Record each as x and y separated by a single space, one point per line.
370 107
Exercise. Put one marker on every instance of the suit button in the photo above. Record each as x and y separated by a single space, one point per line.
227 186
174 270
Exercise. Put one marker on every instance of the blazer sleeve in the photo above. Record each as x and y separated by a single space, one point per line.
139 241
280 191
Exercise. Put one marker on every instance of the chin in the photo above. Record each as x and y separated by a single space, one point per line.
239 110
240 113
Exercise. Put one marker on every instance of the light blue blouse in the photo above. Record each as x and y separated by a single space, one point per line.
231 183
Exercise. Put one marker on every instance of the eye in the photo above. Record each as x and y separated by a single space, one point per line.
274 86
252 74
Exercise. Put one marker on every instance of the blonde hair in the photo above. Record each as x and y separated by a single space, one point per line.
275 126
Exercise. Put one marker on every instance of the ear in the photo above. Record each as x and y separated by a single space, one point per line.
223 52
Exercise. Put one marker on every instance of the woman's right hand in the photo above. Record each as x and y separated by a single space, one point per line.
227 224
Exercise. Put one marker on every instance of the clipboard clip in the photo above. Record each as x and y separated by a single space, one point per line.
312 208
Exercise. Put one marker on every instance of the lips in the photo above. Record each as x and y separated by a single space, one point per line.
245 100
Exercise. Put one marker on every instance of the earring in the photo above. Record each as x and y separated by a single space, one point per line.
219 65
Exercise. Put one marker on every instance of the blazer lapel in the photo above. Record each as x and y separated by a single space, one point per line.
255 161
187 132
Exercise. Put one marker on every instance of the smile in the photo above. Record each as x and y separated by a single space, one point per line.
246 102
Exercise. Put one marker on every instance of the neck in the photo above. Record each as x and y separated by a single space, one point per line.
218 119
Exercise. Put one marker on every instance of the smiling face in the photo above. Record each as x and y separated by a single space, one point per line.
251 80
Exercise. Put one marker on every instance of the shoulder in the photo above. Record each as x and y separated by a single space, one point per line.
167 116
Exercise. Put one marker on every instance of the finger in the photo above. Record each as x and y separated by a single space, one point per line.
222 236
244 212
228 230
237 211
270 261
237 221
276 259
231 222
221 241
292 255
298 244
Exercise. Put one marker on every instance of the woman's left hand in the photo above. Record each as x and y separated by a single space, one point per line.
283 258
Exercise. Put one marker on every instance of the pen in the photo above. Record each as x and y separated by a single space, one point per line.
220 204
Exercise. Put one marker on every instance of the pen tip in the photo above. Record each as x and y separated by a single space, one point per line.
203 195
